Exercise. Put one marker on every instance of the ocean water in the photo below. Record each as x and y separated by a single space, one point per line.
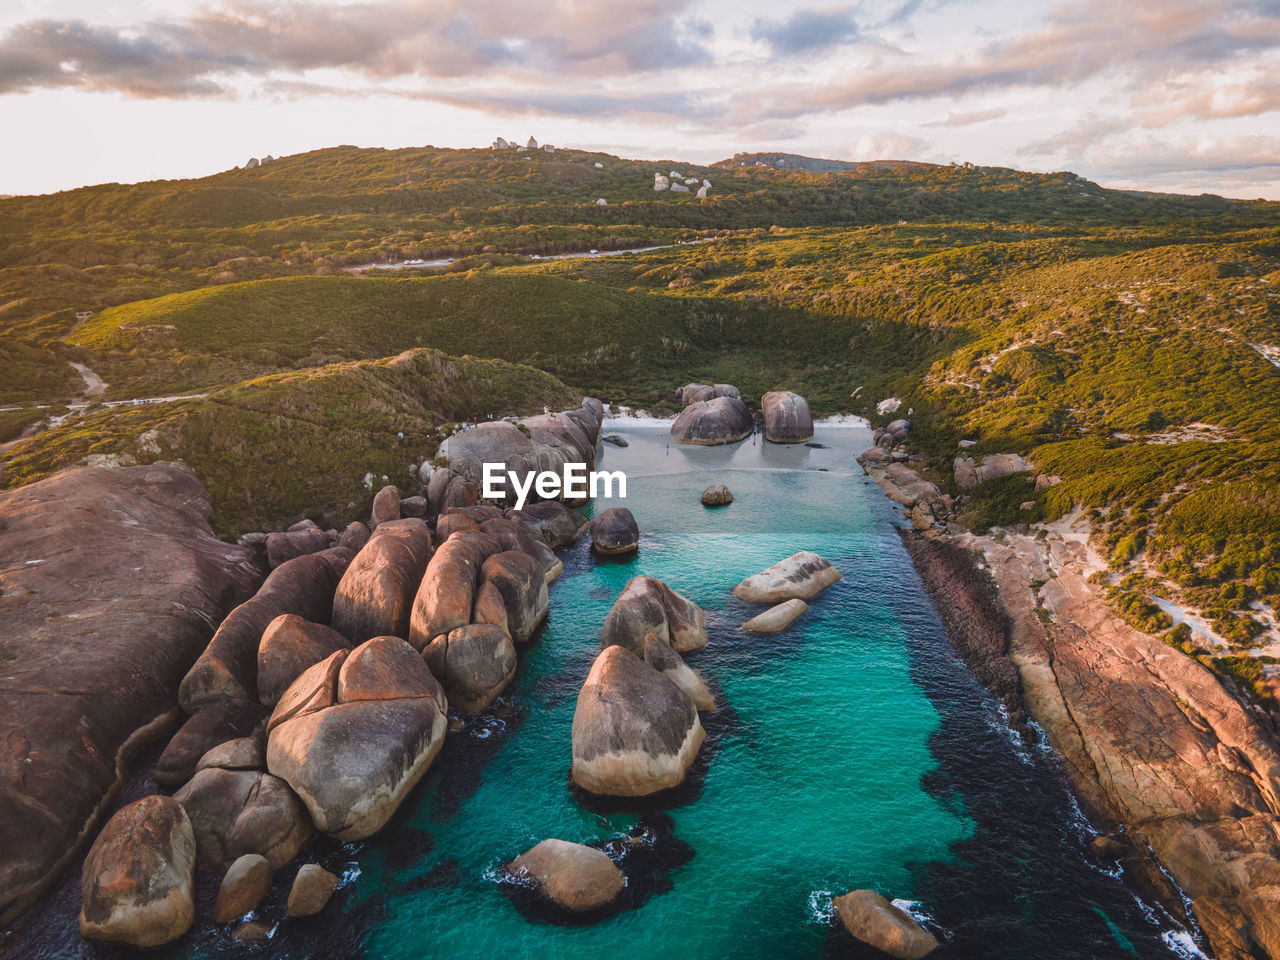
851 750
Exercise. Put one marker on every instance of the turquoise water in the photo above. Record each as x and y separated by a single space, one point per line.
852 750
815 787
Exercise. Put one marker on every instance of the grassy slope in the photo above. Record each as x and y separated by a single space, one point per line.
275 449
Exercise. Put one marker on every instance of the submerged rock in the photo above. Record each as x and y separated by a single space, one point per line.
615 439
311 890
786 417
634 731
615 532
802 575
137 881
355 733
716 495
777 618
647 605
871 918
573 876
710 422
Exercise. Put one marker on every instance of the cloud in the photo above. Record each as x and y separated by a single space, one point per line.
211 51
806 30
968 119
886 145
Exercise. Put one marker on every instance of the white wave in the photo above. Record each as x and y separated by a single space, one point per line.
914 910
350 874
1181 944
821 909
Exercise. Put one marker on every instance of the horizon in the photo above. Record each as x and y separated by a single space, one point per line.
1171 97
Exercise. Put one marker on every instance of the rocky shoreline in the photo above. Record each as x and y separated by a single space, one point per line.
1156 750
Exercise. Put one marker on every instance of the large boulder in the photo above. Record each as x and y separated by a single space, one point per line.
573 876
519 581
671 665
709 422
634 731
386 507
284 546
614 532
138 879
375 596
110 583
475 663
311 890
228 667
802 575
969 473
872 919
716 495
776 618
786 417
355 733
289 646
647 605
244 886
234 812
212 724
696 392
447 594
552 522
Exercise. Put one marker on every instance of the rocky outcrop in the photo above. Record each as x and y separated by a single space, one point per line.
716 495
634 731
311 890
648 606
244 886
900 483
289 646
110 585
694 392
475 663
356 732
518 580
800 576
234 812
615 532
138 879
386 507
786 417
776 618
228 667
969 473
543 443
552 522
573 876
671 665
711 422
299 540
212 724
871 918
376 594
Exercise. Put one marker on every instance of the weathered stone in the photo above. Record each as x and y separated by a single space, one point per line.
212 724
696 392
777 618
872 919
228 668
614 532
245 753
386 507
802 575
519 580
354 537
665 660
311 890
244 886
282 547
137 880
234 812
969 474
451 523
251 931
716 495
289 646
552 522
647 605
709 422
415 507
447 593
353 741
110 584
786 417
475 663
575 877
375 596
634 731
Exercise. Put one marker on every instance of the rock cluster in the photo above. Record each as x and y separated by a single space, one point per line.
800 576
692 392
928 508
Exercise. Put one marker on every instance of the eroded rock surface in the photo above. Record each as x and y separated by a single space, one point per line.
707 422
573 876
801 576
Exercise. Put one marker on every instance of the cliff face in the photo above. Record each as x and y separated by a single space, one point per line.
1149 737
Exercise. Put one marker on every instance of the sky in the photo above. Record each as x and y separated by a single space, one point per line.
1171 95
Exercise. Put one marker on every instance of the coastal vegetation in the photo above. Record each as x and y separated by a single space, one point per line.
1116 339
